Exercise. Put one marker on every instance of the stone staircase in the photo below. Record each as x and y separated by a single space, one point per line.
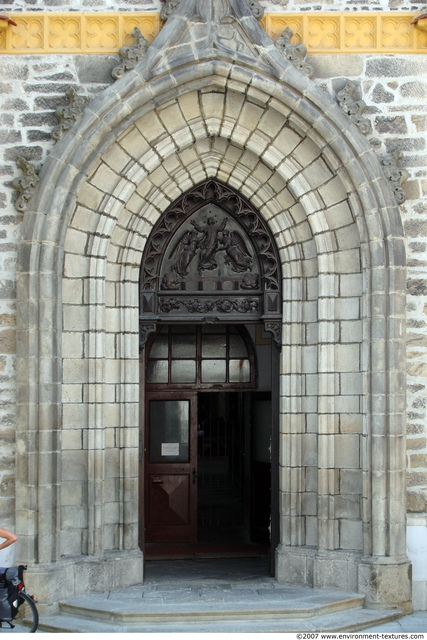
217 606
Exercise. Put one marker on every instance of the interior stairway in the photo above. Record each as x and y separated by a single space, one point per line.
202 600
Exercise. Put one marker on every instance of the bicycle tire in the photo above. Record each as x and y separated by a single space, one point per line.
27 616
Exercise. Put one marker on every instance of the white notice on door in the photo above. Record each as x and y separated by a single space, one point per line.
170 448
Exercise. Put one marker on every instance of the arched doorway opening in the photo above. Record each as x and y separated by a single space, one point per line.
210 327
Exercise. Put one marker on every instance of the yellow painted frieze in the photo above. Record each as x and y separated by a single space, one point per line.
334 32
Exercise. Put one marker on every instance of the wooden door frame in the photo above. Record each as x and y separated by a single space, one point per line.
275 446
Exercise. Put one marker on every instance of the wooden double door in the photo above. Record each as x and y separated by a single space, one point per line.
202 479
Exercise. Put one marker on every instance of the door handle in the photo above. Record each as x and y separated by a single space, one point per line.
157 482
194 476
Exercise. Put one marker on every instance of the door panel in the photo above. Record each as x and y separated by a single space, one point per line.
171 464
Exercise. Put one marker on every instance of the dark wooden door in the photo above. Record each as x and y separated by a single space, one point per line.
171 467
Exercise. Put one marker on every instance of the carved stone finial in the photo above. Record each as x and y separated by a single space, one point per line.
354 108
25 185
294 53
68 114
395 175
131 55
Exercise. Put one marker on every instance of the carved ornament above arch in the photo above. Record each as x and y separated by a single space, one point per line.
211 257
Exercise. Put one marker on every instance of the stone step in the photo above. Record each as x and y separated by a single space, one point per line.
351 620
215 607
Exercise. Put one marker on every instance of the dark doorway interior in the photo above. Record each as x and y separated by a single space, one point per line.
232 475
223 468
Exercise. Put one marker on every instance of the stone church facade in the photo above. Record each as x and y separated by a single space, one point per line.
255 172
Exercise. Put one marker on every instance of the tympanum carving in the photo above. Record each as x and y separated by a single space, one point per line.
211 255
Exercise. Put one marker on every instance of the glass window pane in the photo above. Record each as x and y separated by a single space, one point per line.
160 347
214 346
184 346
213 371
239 371
169 430
237 347
157 371
183 371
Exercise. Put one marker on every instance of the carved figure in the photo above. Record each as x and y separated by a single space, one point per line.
184 251
210 243
238 256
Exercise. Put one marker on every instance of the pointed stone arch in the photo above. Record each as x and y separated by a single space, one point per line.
183 116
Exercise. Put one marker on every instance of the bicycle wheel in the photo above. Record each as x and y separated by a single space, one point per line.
26 619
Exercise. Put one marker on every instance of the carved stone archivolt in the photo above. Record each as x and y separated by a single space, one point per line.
210 256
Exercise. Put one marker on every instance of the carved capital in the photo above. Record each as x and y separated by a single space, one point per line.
294 53
26 185
131 55
69 113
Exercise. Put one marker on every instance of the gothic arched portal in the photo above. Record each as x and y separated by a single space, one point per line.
213 100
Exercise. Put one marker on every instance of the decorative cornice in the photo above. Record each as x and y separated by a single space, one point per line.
337 32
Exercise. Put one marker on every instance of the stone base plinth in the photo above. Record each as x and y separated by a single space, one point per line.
320 569
82 575
386 583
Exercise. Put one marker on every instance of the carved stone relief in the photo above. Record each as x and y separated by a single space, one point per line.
211 256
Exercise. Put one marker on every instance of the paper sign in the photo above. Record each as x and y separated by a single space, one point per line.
170 448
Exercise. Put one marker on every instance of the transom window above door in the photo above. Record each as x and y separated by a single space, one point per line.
202 356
